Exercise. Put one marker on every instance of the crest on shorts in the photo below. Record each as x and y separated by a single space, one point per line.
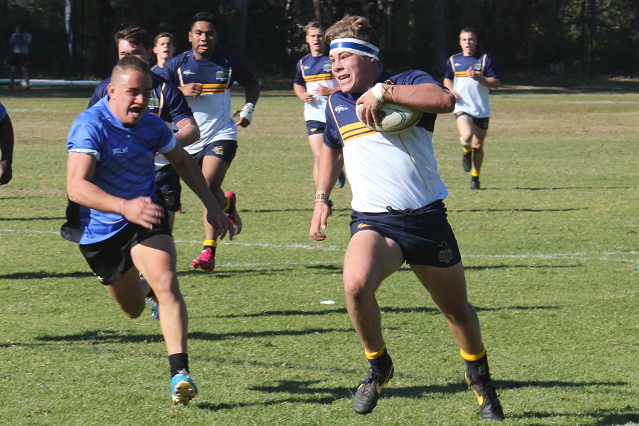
445 253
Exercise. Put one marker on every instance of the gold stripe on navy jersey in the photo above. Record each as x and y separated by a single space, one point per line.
463 73
354 131
318 77
213 88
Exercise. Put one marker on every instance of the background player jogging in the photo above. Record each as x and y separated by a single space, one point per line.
470 75
205 76
313 83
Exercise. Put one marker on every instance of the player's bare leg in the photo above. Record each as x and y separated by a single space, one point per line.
214 170
369 259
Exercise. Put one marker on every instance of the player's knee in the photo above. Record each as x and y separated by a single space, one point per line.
134 311
460 313
357 288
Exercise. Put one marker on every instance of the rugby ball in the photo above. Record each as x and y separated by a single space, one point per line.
393 117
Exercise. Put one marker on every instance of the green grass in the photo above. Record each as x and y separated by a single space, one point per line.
550 248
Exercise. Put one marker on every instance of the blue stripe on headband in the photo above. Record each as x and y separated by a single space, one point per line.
355 46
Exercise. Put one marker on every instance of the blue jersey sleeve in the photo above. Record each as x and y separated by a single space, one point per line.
299 78
241 73
176 103
490 70
99 92
83 137
450 72
3 112
332 136
169 70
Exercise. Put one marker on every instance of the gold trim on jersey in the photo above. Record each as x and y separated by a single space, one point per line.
354 131
318 77
463 73
213 88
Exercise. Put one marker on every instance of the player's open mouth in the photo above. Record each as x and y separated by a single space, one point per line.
136 111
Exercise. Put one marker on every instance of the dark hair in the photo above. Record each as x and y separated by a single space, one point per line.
468 30
165 34
204 16
134 35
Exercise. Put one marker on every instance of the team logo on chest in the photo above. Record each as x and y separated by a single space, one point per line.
222 74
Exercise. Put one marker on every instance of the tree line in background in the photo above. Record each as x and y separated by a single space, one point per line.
525 37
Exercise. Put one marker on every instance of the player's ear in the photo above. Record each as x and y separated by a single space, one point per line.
110 90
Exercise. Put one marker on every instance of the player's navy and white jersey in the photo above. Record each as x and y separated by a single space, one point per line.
124 162
396 170
312 72
473 95
167 101
3 112
212 109
157 69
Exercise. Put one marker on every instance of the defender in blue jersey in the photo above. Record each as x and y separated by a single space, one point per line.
168 103
398 211
6 146
313 83
205 76
121 219
469 76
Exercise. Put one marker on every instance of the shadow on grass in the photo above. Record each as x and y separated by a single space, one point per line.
483 268
385 310
571 188
27 219
38 275
110 336
606 417
515 210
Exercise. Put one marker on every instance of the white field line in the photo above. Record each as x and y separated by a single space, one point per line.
579 255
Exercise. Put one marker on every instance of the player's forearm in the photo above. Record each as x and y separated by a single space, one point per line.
330 166
300 91
252 91
490 82
427 97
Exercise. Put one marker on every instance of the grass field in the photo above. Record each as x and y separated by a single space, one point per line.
550 245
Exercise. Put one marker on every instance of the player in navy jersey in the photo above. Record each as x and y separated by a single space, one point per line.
398 213
205 76
121 218
313 83
168 103
470 75
6 146
164 49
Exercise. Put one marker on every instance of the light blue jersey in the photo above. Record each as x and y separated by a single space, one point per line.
125 166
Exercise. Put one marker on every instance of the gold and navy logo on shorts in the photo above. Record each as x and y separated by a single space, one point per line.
219 150
363 225
445 253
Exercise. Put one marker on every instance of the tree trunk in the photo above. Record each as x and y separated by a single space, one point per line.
438 23
318 10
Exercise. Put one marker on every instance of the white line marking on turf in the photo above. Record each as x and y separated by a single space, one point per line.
579 255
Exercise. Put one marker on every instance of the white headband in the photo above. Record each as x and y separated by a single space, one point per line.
356 46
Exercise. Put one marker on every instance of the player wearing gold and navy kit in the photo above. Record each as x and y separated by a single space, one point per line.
168 103
205 76
470 75
313 83
398 210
